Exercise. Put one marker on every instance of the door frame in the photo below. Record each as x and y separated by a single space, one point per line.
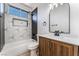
37 20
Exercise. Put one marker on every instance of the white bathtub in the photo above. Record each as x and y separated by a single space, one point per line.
16 48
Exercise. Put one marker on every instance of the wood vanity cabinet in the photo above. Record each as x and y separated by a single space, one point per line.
49 47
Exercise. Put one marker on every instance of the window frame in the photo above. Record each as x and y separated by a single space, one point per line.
27 12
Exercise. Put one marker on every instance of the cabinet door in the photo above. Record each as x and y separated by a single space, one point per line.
55 48
67 50
61 49
44 47
52 48
41 46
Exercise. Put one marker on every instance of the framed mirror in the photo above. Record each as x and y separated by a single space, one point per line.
59 18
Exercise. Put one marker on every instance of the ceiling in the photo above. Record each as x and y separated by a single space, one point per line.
32 5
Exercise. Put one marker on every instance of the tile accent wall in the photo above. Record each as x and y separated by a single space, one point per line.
15 33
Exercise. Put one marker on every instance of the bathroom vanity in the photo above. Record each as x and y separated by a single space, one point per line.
61 44
50 45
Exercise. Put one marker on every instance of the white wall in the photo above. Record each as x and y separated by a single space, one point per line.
74 19
43 15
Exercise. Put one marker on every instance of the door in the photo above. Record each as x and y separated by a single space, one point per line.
44 47
34 24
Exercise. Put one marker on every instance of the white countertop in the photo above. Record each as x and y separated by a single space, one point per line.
63 38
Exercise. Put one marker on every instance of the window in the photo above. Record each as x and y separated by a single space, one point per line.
0 6
14 11
18 12
1 9
23 14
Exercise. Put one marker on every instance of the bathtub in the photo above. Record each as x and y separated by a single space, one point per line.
18 48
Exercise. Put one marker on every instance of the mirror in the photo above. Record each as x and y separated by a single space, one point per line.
59 18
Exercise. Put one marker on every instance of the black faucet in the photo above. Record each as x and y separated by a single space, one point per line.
56 33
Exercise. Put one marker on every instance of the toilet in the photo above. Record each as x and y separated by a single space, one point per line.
33 48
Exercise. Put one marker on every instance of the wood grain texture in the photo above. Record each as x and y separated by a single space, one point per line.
44 47
49 47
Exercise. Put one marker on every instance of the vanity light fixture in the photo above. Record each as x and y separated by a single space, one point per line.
51 6
54 5
61 3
